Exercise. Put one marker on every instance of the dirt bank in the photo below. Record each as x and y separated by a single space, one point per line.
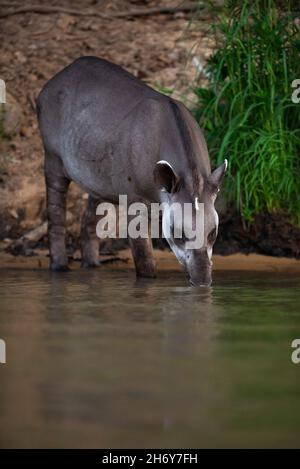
158 48
273 235
165 261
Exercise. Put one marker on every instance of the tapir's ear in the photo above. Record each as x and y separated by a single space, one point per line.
165 177
217 175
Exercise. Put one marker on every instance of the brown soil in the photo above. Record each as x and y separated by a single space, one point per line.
157 49
166 261
272 235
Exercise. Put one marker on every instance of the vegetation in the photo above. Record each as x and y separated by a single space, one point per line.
246 110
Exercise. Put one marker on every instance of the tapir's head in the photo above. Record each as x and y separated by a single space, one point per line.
195 258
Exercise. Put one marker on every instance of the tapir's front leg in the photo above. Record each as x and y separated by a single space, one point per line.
89 238
142 252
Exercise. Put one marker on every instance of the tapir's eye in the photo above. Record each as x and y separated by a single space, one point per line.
212 236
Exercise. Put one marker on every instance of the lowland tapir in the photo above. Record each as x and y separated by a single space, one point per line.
112 134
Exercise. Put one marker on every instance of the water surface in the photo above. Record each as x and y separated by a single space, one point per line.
98 359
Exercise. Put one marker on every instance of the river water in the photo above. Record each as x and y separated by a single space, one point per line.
98 359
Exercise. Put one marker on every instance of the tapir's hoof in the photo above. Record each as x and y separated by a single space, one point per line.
59 267
90 264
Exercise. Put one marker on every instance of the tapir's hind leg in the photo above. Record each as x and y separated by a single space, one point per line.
57 187
89 238
142 253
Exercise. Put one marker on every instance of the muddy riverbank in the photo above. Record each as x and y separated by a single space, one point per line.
166 261
159 49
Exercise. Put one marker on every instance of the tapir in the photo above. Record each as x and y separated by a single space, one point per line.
112 134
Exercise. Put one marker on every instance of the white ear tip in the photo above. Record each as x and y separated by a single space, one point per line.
226 163
165 162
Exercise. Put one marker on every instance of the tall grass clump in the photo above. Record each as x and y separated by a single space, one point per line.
247 111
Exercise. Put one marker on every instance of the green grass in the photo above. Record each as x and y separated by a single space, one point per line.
247 112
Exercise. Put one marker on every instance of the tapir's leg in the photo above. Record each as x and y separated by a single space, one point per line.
89 238
142 252
57 187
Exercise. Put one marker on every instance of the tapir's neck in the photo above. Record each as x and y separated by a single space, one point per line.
182 145
191 157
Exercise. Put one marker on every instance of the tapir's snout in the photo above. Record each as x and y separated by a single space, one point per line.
199 269
199 283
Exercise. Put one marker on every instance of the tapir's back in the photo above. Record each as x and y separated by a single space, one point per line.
103 122
89 91
88 113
